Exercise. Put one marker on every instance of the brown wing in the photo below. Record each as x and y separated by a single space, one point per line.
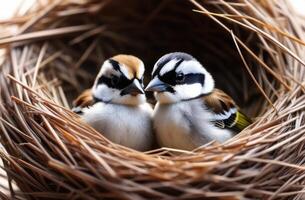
85 99
218 101
226 113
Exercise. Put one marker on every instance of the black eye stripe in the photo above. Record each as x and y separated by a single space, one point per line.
170 78
194 78
122 82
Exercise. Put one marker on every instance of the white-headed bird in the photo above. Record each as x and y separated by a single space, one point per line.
116 104
190 111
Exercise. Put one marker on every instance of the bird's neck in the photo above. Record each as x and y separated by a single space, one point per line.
184 100
96 100
196 97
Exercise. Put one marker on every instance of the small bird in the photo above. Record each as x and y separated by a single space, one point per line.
116 104
190 111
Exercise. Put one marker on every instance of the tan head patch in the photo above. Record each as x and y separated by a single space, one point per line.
132 64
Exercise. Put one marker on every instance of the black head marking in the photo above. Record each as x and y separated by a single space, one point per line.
171 76
171 56
194 78
121 82
118 82
115 64
178 64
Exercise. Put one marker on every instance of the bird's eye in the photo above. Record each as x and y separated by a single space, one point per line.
180 77
115 80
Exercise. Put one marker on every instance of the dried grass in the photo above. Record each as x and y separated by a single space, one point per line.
253 48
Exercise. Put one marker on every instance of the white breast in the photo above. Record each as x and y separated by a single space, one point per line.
126 125
186 125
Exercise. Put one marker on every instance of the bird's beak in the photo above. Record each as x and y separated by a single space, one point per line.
156 85
133 89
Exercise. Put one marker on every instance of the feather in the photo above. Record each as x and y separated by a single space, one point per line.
85 99
226 113
133 64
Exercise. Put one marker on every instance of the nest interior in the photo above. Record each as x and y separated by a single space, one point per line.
253 50
151 29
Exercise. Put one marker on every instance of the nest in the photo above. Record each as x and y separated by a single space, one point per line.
252 48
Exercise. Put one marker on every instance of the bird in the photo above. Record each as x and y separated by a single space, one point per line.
190 111
116 104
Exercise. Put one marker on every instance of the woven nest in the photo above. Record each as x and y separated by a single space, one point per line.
252 48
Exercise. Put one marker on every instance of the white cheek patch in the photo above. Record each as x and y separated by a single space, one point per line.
209 84
104 93
186 91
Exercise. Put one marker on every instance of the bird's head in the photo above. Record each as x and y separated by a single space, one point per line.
179 76
120 81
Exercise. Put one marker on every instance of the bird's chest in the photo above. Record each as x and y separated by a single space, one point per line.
186 126
123 125
122 122
173 128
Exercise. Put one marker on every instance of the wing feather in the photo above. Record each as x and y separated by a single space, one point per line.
226 113
84 100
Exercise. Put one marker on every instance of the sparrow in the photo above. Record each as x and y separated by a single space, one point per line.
190 111
116 104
